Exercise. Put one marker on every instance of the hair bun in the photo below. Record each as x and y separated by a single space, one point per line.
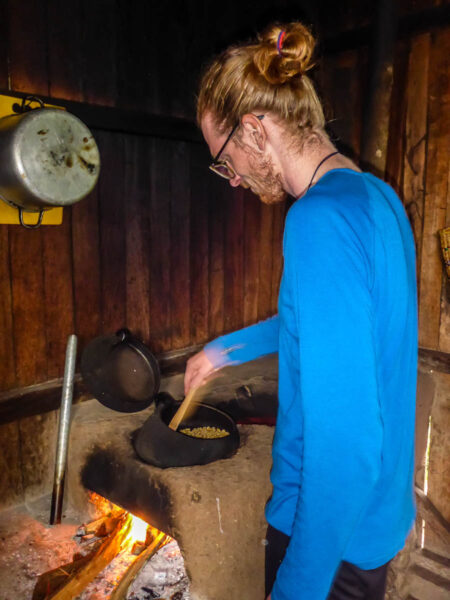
291 59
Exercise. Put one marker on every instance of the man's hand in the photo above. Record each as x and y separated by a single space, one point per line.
198 369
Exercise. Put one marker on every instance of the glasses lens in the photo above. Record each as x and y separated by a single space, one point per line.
223 170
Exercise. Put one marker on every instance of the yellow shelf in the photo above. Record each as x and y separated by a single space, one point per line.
8 214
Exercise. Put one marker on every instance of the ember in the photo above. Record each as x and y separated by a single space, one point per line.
114 561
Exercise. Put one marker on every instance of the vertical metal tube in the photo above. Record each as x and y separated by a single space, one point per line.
63 431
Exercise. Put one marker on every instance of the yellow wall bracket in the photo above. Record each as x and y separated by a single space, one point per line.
8 214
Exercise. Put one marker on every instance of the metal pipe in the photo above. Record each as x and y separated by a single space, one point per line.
63 431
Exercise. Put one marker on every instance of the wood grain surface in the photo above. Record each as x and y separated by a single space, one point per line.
162 245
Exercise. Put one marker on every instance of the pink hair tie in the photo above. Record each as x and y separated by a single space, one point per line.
280 41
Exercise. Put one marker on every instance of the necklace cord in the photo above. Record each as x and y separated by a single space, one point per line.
318 167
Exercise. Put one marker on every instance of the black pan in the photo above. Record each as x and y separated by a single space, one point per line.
162 447
120 372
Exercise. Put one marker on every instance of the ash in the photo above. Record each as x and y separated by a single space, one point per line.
163 576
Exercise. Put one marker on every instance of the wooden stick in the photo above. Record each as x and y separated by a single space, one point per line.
178 416
120 593
107 551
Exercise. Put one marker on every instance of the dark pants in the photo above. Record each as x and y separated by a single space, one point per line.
350 583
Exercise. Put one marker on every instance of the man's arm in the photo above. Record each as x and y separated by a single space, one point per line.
232 349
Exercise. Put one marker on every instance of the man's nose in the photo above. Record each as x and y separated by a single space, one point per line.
235 181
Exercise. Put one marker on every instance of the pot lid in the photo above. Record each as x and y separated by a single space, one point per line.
120 372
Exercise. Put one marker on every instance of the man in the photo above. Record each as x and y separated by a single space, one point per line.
346 332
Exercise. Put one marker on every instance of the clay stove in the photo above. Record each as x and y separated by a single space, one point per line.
215 512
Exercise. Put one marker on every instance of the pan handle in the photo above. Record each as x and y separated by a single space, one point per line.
28 226
123 334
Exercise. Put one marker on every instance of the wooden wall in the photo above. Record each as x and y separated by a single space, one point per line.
162 246
418 156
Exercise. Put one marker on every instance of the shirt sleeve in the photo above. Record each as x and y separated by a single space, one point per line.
245 344
327 266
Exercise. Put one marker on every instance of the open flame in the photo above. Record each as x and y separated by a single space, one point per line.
137 529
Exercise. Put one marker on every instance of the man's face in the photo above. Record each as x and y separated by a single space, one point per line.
254 168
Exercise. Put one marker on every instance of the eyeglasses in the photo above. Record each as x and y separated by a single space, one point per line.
221 167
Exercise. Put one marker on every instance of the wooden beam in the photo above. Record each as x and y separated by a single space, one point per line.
408 26
45 397
434 360
110 118
374 142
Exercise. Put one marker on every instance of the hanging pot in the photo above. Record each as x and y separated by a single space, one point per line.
48 158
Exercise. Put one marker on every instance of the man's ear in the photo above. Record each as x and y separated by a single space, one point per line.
254 133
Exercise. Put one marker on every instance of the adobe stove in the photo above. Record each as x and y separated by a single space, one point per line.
214 511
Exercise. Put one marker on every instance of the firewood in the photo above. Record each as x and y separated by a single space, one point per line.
120 593
99 527
68 581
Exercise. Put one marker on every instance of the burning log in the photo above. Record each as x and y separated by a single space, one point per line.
67 581
120 593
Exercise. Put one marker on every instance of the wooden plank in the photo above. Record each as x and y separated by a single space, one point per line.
58 291
341 85
46 397
436 182
160 293
277 265
234 264
265 262
7 366
199 245
434 360
63 42
27 47
252 227
418 21
137 236
3 46
11 486
110 118
180 245
396 144
99 44
111 191
37 399
86 268
377 103
217 203
137 51
444 329
27 279
416 138
37 451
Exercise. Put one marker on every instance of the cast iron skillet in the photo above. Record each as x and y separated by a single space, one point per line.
160 446
120 372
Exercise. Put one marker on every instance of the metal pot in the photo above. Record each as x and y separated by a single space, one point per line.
155 443
48 158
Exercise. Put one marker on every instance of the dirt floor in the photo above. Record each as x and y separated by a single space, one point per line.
29 546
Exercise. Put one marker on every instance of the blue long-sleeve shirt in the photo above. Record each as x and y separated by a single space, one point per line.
346 334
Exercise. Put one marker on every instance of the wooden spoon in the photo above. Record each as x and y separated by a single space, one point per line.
178 416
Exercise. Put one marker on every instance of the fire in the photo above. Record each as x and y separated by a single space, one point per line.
137 529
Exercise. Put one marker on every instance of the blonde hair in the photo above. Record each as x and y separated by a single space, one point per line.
267 76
